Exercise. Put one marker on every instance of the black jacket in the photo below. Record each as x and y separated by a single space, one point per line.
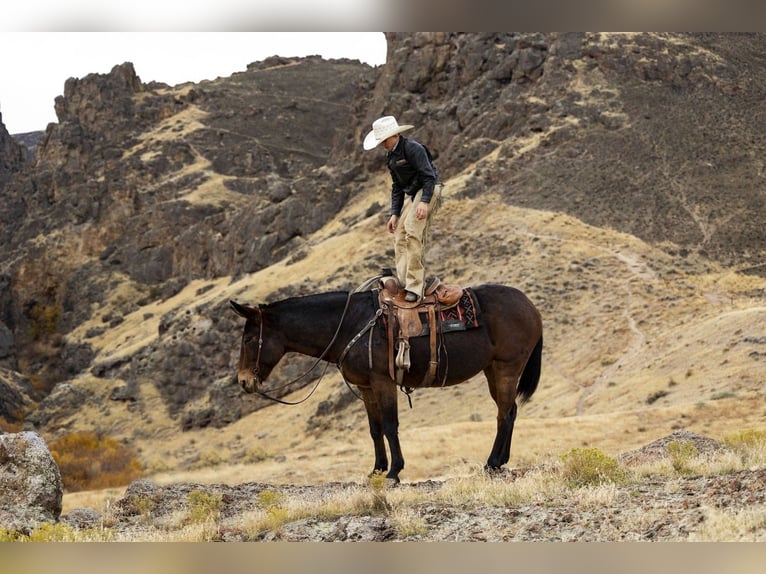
411 170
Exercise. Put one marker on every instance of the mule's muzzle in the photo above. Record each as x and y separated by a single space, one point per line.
248 380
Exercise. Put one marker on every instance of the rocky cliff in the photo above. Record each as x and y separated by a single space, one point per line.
12 155
142 192
141 188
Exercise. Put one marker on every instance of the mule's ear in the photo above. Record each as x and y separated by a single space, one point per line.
245 311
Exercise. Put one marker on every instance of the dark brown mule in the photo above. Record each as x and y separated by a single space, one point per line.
507 347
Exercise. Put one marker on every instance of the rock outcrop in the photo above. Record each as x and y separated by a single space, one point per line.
15 396
12 155
32 490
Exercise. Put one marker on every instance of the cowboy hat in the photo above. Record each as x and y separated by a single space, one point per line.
383 128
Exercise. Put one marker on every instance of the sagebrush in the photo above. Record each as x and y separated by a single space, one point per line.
590 466
89 461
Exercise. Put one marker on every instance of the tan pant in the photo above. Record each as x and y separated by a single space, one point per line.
410 242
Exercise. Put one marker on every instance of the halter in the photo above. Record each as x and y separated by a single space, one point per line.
256 370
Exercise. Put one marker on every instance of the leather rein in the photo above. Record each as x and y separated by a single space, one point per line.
256 370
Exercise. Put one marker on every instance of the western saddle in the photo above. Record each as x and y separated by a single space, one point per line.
403 320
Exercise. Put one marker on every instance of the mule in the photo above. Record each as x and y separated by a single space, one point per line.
506 346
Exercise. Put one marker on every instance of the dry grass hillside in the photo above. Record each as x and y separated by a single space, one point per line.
638 343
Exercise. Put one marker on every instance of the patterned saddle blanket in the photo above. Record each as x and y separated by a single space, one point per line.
463 315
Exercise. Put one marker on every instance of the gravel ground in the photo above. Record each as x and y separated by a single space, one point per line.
729 506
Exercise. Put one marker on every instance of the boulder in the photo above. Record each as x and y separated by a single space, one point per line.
32 489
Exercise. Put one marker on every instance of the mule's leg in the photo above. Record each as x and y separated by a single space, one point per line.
501 379
376 429
384 390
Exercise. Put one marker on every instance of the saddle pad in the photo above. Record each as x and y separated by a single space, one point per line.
464 315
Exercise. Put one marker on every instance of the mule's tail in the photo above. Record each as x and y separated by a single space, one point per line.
531 375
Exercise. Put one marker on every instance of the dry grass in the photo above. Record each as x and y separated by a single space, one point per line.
683 459
172 128
729 524
545 486
480 489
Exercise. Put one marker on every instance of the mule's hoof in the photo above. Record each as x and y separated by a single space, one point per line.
493 470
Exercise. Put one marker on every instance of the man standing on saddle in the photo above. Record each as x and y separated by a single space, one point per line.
415 193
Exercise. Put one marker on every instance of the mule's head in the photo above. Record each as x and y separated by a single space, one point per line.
259 351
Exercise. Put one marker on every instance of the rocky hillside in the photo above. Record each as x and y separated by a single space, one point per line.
616 178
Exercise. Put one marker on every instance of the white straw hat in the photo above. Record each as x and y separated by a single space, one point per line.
383 128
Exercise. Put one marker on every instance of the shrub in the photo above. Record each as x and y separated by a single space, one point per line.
206 459
8 535
43 320
204 507
590 467
407 522
140 505
270 498
48 532
276 514
378 486
90 461
682 454
257 454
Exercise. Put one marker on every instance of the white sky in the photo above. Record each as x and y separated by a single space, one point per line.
35 65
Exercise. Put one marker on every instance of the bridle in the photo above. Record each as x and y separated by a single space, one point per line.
256 370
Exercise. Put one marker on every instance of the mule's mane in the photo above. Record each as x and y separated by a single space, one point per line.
312 299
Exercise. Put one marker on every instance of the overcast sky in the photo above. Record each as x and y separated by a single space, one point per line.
35 65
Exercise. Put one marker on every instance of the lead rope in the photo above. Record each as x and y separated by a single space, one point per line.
363 287
321 357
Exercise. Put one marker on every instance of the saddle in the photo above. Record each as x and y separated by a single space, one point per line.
404 321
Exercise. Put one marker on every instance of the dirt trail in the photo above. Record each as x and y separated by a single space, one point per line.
638 269
638 339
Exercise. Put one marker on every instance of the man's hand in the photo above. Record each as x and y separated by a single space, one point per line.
421 212
391 226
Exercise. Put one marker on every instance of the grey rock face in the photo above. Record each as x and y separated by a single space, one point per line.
31 489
